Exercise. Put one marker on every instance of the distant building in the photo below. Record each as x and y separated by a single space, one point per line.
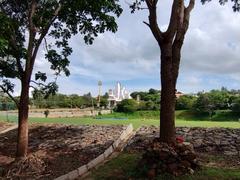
178 94
117 95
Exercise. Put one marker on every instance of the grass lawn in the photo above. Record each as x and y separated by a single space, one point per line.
123 167
137 119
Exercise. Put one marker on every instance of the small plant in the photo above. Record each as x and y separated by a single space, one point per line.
46 113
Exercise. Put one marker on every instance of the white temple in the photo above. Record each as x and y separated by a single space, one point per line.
117 95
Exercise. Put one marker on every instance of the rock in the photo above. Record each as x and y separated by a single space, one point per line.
190 156
197 143
186 164
163 155
151 173
224 143
173 168
210 140
230 153
174 159
191 171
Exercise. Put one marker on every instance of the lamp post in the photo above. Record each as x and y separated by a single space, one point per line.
99 92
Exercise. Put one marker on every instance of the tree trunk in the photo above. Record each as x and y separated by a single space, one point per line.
22 141
168 83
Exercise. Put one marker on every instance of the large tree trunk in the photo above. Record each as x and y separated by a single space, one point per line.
168 83
22 141
170 42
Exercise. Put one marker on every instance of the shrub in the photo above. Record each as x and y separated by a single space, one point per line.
185 102
235 106
127 106
46 113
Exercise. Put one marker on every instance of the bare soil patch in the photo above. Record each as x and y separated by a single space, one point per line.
54 150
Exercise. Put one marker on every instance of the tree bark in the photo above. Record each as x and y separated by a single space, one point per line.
168 83
22 139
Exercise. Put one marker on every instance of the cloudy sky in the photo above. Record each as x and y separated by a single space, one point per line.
210 56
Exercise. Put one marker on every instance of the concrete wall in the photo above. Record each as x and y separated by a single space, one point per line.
53 113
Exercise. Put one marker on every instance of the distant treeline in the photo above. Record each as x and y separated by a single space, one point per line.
57 101
209 102
67 101
203 102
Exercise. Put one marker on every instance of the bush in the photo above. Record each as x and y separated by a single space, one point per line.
46 113
185 102
235 106
127 106
204 104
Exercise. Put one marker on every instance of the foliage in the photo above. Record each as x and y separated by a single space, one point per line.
235 106
62 101
185 102
148 100
215 100
7 103
46 113
127 106
236 4
204 104
25 25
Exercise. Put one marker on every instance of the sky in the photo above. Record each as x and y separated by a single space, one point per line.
210 55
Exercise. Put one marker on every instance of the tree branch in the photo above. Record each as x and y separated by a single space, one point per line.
172 27
32 35
152 6
10 95
43 34
190 6
38 83
178 41
146 23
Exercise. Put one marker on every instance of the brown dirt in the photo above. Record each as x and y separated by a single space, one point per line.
54 150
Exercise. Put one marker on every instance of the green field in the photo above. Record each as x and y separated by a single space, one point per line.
183 118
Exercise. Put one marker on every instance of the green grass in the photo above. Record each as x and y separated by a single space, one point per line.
138 119
124 167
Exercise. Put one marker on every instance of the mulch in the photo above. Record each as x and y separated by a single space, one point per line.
54 150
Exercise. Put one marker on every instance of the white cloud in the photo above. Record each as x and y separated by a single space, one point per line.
211 51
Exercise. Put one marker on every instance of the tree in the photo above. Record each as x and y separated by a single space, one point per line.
127 106
204 104
170 43
26 24
185 102
220 99
235 106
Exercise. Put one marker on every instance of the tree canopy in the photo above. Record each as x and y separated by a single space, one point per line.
26 24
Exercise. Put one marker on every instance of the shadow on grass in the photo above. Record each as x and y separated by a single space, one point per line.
219 115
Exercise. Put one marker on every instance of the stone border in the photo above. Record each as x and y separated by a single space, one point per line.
116 146
9 129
